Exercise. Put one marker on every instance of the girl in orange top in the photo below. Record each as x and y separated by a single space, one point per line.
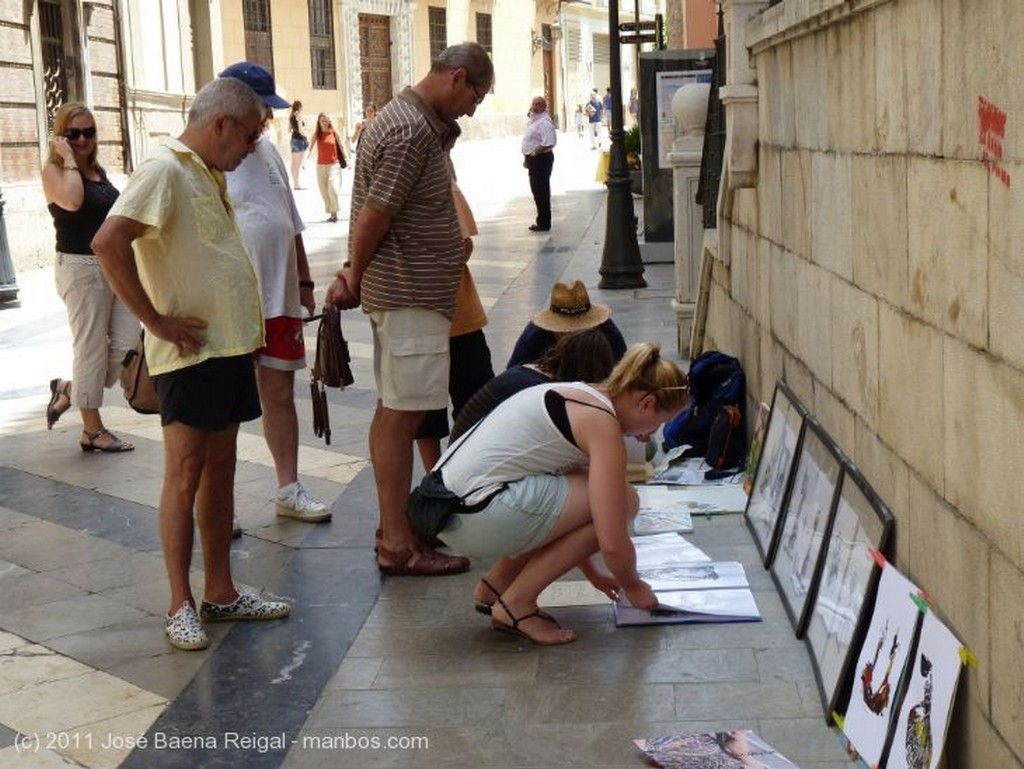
330 159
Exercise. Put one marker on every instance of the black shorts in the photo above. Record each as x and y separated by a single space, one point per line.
469 369
210 395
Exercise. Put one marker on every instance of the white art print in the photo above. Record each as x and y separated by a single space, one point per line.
920 730
805 522
777 454
880 665
659 550
697 576
860 525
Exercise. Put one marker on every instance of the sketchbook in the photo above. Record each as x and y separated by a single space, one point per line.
677 607
710 750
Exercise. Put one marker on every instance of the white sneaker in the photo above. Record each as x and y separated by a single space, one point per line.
293 501
184 630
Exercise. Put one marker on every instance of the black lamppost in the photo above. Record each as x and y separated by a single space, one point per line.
621 266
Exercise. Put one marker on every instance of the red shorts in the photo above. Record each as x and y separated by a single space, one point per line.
285 349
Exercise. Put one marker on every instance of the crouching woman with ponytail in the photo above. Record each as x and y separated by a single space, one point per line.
546 472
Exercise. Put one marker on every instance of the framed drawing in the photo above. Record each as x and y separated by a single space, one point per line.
920 732
806 516
881 662
774 469
849 577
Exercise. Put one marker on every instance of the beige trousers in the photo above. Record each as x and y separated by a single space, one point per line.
329 177
103 329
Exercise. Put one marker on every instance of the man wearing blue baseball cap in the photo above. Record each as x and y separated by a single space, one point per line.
272 230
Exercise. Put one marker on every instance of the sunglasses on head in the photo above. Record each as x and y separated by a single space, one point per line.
76 133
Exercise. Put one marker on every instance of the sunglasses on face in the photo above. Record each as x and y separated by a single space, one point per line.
73 134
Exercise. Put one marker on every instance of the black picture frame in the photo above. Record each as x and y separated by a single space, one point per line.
805 522
773 476
844 594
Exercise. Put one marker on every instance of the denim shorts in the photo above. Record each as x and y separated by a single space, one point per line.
517 520
299 144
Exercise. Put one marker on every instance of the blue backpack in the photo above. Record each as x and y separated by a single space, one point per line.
713 423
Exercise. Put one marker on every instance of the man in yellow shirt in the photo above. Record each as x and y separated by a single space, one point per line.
173 253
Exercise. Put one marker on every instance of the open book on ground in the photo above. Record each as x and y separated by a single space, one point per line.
688 591
738 749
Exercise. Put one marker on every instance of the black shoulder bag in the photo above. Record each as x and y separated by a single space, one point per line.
431 505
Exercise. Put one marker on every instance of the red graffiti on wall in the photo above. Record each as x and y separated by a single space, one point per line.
991 132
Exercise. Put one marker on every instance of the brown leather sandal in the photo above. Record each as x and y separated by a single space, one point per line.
423 563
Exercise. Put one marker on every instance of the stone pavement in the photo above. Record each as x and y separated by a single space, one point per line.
367 672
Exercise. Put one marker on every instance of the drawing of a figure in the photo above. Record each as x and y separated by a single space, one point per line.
878 700
919 724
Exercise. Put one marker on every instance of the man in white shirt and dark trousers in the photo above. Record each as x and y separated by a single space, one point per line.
272 230
539 158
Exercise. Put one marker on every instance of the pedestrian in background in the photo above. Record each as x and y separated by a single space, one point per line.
103 329
593 108
405 261
634 106
330 159
272 230
298 143
539 159
191 283
369 113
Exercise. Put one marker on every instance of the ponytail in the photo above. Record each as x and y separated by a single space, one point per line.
642 368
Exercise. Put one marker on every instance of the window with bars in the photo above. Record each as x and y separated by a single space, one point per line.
55 79
259 44
321 45
437 25
484 32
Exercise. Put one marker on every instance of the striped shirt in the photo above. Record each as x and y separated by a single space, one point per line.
403 169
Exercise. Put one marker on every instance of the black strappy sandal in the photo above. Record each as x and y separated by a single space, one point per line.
513 629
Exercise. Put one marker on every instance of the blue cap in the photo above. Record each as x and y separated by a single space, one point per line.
259 80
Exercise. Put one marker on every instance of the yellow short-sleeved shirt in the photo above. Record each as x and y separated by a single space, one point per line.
192 260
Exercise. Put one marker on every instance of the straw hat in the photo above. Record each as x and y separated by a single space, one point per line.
571 310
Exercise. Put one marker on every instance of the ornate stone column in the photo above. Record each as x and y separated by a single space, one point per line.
690 107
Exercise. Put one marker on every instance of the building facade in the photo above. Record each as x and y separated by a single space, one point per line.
869 251
138 63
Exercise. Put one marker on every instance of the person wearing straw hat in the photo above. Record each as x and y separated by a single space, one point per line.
569 309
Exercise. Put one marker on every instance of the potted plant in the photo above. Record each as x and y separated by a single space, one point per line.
631 146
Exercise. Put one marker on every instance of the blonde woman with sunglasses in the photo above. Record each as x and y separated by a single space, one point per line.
78 196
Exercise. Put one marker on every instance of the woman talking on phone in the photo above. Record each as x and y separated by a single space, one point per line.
79 195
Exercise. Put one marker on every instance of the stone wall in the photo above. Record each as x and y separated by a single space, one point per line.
878 265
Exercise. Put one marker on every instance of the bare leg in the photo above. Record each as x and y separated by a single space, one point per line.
280 422
184 456
215 506
392 434
430 451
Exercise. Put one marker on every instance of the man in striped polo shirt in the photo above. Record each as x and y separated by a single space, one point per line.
405 259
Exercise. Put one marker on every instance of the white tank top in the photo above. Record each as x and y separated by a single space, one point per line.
516 440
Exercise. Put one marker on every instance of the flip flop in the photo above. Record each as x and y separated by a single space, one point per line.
513 629
428 563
